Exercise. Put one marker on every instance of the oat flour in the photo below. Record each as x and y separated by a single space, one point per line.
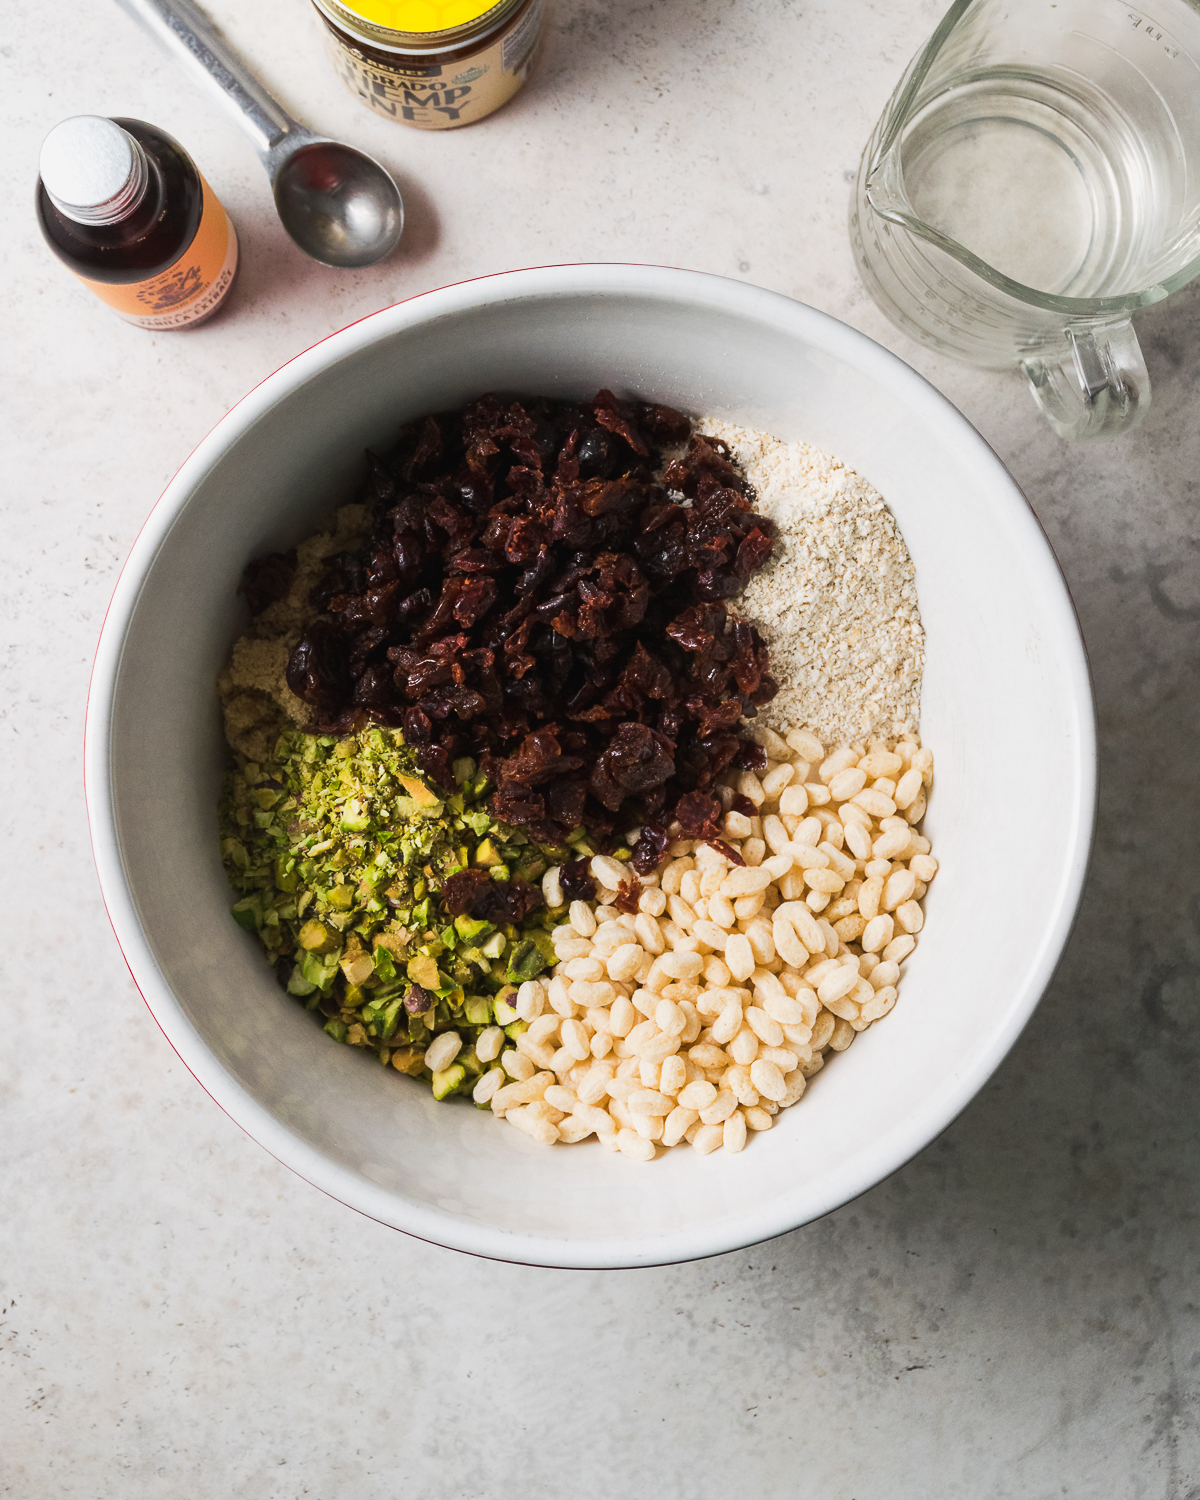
837 603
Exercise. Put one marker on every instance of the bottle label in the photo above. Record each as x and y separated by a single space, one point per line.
190 290
439 98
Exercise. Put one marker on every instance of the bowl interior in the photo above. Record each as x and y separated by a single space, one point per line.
1006 710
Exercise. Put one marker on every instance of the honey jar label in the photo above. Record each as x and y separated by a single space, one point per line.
193 288
440 97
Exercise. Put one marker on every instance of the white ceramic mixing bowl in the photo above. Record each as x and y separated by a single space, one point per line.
1006 709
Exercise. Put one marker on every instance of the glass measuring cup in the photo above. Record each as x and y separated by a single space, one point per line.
1034 180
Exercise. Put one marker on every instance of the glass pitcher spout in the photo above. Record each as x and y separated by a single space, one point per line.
885 193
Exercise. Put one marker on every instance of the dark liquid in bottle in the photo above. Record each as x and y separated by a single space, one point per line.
154 235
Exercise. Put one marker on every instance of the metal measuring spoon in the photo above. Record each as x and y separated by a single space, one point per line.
337 203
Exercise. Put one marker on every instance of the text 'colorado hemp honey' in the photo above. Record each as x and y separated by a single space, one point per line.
432 64
124 207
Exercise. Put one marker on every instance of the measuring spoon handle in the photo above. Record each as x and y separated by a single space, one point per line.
179 27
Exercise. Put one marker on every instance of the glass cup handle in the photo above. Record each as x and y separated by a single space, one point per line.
1096 387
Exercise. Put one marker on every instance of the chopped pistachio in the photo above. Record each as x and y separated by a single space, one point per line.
478 1010
468 1060
448 1081
358 966
391 1016
505 1014
299 986
486 854
423 970
494 946
316 937
409 1060
526 961
234 852
470 928
337 850
319 973
531 865
355 816
422 795
248 913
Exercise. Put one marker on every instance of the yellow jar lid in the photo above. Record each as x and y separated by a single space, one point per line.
416 16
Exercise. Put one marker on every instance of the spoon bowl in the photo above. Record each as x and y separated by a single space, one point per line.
338 204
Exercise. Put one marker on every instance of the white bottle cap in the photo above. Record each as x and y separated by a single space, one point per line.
94 171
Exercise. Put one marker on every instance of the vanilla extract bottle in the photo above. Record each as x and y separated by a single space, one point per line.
125 209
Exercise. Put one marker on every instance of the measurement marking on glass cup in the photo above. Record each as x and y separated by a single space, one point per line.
1149 29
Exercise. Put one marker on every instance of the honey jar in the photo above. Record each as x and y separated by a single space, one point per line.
432 64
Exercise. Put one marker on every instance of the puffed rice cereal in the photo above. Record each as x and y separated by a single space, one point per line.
750 959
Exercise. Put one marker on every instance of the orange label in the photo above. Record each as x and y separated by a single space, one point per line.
439 98
190 290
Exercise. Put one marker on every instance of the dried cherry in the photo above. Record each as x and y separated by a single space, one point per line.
532 595
267 579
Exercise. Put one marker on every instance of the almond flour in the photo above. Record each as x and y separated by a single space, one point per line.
256 702
837 602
